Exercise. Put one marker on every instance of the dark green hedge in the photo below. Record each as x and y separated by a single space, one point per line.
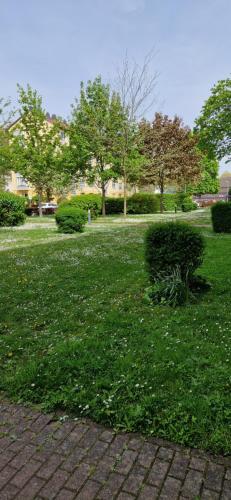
12 209
143 203
138 203
221 217
114 206
148 203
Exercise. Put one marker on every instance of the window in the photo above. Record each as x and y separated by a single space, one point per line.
73 189
120 186
21 182
113 185
81 184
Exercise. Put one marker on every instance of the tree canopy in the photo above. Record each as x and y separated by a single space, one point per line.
36 145
170 148
5 164
209 182
95 129
214 122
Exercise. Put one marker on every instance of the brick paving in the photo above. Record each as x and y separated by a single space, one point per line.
44 458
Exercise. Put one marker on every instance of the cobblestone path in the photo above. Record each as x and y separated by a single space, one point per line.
42 458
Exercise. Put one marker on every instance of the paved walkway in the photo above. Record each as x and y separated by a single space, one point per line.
41 458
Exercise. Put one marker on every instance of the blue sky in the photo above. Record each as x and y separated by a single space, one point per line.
54 44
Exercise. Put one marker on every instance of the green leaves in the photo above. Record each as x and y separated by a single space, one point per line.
214 123
36 143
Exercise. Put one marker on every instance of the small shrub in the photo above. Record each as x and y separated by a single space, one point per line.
188 205
221 217
12 209
185 202
71 219
114 205
172 245
85 202
143 203
169 202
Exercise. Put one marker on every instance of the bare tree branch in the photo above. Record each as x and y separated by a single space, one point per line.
136 86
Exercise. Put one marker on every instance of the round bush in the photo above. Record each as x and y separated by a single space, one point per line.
221 217
173 246
143 203
85 202
12 209
70 219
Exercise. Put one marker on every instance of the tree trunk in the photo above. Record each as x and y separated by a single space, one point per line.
48 195
40 204
125 195
103 201
161 198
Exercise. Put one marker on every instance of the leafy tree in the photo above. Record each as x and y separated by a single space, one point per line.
214 123
36 145
171 151
5 164
209 182
94 132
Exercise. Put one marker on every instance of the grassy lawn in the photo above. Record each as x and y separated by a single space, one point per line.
77 333
39 230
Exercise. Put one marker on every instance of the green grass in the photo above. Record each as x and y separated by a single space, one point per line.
76 333
40 230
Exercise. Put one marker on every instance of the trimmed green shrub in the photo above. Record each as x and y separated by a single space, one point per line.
85 202
70 219
114 205
169 201
12 209
170 246
221 217
143 203
185 202
188 205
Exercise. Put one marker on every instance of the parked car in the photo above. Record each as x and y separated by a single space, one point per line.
49 205
49 208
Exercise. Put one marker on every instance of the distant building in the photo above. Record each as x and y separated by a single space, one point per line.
225 183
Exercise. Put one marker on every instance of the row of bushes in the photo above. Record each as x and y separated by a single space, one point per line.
70 215
147 203
75 210
12 209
